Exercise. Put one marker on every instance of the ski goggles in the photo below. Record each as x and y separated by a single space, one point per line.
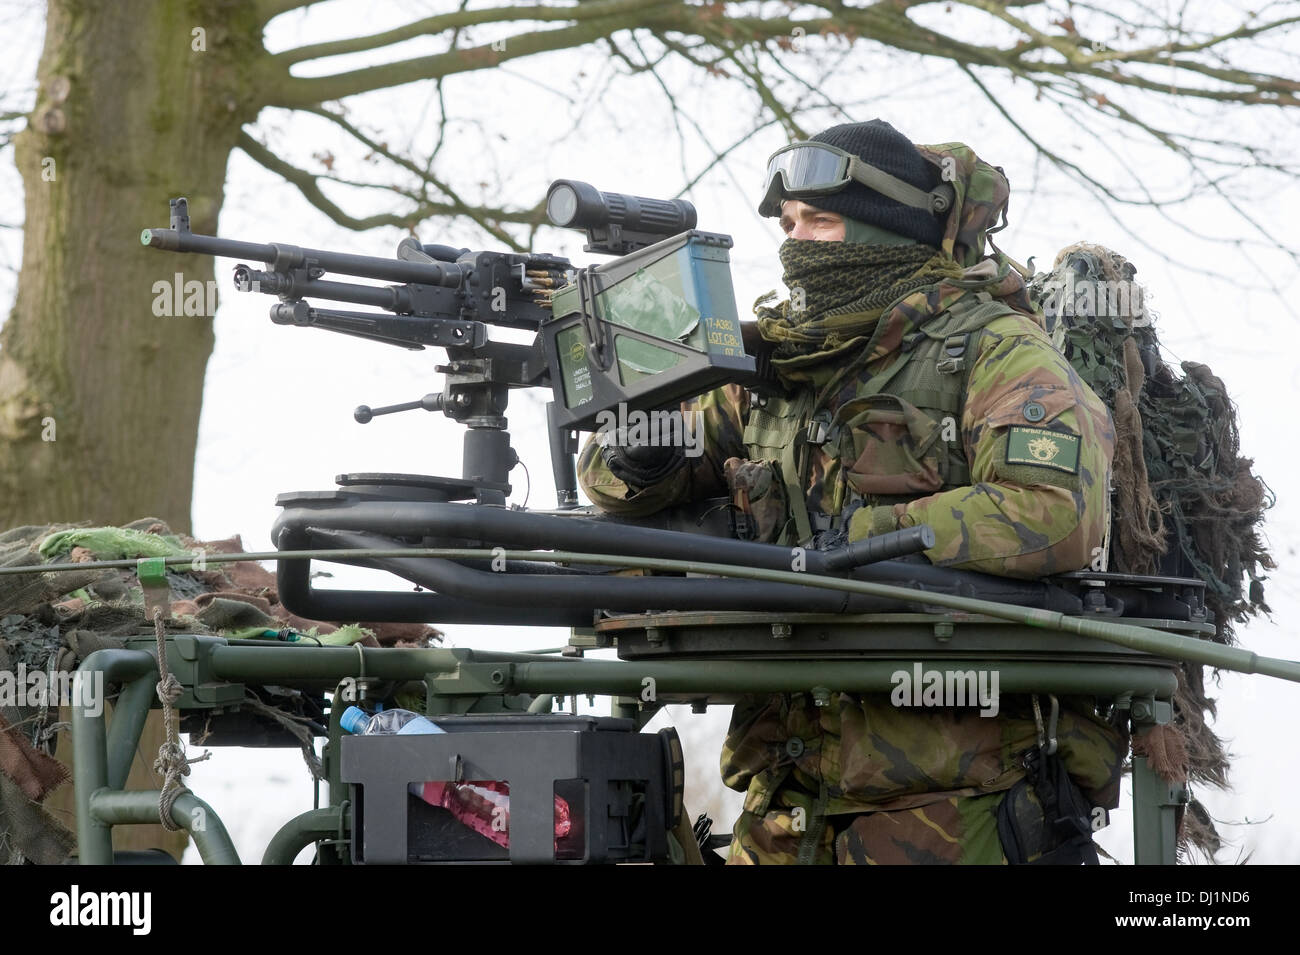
806 170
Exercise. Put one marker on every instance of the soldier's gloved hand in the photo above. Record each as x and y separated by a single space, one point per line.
638 465
831 540
867 522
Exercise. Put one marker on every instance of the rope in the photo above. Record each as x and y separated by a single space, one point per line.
295 726
47 733
171 761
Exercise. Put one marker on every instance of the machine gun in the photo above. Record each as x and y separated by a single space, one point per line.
644 332
712 617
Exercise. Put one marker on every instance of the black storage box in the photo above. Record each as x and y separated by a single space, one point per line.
615 780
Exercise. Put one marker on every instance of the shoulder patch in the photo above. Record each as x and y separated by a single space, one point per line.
1057 450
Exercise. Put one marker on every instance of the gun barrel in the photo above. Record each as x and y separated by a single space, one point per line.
392 298
281 257
171 240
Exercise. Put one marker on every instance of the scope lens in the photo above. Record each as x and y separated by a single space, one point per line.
562 205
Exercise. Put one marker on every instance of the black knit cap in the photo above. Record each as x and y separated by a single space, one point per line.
886 148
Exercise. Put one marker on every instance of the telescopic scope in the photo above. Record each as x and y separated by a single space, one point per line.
616 223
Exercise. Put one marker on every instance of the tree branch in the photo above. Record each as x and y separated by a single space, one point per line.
296 92
1266 88
306 184
488 219
459 19
1169 55
721 156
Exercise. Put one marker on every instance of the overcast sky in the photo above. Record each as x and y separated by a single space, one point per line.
278 401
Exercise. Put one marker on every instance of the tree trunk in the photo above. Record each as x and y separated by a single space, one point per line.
100 378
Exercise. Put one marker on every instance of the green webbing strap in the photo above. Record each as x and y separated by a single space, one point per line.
812 836
937 200
877 382
792 473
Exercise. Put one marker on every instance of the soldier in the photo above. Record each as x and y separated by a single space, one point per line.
921 389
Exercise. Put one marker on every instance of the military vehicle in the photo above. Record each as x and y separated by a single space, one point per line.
696 615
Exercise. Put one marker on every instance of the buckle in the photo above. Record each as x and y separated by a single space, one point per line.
818 431
955 348
1046 735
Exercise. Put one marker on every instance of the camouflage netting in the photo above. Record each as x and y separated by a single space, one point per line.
1186 503
50 622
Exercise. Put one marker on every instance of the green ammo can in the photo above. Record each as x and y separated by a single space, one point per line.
646 330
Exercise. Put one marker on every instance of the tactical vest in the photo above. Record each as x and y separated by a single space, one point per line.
898 438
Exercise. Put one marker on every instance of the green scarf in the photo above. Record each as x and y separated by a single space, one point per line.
839 290
844 289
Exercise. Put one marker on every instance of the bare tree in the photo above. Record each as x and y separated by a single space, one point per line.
140 99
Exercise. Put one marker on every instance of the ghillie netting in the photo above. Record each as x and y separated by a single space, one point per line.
52 621
1185 502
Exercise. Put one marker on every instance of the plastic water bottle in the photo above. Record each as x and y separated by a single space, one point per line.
358 722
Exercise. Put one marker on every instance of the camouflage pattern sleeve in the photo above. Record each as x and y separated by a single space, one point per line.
712 431
1039 442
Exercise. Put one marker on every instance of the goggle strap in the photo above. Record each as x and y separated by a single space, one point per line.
937 200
